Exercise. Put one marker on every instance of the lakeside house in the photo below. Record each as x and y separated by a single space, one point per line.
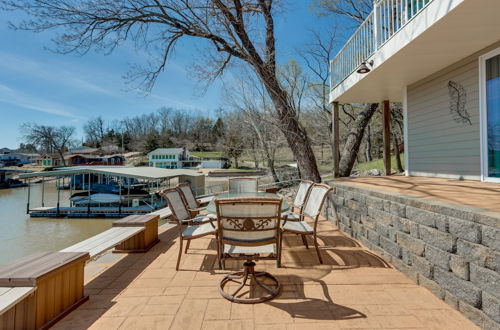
168 157
440 223
440 59
85 160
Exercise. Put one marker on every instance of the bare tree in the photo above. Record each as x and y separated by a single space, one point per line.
356 10
49 139
240 30
95 131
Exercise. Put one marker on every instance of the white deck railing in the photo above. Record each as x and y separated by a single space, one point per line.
385 20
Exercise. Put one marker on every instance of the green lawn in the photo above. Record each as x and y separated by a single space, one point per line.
207 154
378 164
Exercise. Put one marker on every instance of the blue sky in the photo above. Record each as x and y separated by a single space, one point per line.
37 85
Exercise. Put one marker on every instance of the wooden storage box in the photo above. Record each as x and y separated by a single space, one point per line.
144 240
58 279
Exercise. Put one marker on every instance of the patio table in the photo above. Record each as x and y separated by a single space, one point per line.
259 194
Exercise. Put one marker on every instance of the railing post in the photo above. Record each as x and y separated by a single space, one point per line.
376 25
336 140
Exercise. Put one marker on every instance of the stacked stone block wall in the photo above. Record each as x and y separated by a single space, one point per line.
453 251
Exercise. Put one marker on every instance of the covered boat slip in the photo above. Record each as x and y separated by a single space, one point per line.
121 200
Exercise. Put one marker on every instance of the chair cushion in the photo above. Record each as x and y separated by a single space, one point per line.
251 250
202 218
298 227
201 230
288 215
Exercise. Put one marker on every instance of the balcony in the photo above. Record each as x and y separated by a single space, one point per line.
408 40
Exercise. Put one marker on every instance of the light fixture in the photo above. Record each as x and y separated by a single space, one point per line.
363 68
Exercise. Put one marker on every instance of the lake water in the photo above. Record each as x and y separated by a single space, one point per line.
21 235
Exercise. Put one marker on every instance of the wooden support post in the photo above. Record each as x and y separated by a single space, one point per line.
29 193
387 137
43 192
58 195
336 140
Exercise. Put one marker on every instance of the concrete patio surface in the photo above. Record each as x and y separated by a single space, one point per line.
354 289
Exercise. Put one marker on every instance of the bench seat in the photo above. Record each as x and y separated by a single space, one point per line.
104 241
10 296
39 289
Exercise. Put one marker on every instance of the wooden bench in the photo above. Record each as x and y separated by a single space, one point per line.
100 243
135 233
142 241
38 290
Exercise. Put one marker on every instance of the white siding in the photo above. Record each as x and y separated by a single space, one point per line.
437 144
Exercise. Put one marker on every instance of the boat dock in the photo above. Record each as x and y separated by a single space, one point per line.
154 179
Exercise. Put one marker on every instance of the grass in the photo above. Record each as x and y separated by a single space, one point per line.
377 164
208 154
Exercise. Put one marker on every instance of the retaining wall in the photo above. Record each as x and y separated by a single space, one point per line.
453 251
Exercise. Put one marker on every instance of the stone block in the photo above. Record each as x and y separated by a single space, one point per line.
422 266
491 237
472 252
338 201
420 216
491 306
401 224
399 265
431 285
459 266
415 245
368 222
467 230
387 205
436 238
493 261
374 202
437 257
485 279
388 245
477 316
406 256
386 231
397 209
443 223
450 299
373 236
346 229
380 216
414 229
463 290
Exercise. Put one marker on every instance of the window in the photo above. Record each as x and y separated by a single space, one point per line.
490 115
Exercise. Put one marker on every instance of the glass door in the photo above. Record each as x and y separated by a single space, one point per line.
491 116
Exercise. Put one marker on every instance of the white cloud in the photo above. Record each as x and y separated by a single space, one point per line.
36 69
19 99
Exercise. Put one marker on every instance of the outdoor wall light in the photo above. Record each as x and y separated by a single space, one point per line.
363 68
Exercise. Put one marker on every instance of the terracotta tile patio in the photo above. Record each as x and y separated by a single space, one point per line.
354 289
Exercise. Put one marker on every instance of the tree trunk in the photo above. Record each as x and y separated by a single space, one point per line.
354 138
368 145
295 135
397 154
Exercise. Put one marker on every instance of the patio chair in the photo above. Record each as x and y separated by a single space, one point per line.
311 209
243 185
189 198
249 229
189 228
302 193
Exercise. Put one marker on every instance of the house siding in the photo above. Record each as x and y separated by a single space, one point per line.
437 144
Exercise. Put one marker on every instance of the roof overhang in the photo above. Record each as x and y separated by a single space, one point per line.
445 32
144 173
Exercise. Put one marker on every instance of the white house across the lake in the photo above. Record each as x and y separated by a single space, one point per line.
168 157
441 59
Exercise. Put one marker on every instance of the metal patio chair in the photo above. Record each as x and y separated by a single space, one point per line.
189 227
249 229
243 185
189 198
298 202
311 209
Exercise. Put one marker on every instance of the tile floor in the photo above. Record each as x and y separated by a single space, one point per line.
354 289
